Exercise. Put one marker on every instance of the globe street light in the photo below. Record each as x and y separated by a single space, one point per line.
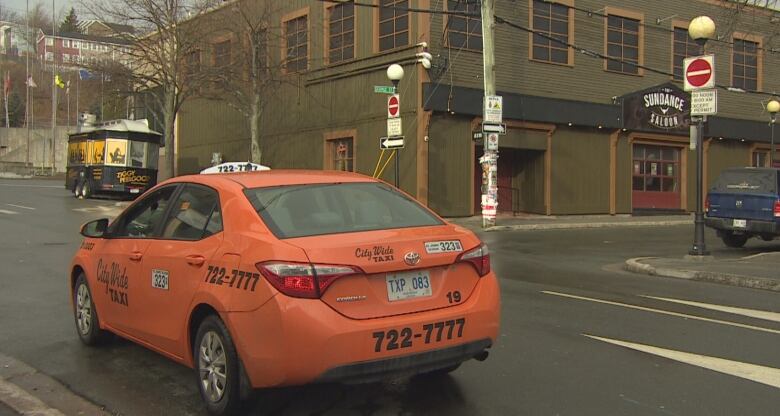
395 73
700 29
773 106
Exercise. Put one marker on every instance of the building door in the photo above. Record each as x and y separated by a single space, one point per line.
506 193
656 177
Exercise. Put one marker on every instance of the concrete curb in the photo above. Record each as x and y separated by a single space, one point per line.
635 265
586 225
18 381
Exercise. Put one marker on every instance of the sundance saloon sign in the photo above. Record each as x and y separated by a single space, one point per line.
664 107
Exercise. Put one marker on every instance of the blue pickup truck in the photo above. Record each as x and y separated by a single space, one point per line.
744 203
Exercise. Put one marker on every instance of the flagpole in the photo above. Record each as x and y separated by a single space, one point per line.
6 87
27 42
53 88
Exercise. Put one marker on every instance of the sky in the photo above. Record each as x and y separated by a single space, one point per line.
19 6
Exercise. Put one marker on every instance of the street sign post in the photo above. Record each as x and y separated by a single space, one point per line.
394 127
393 106
384 89
391 143
492 141
704 102
699 72
494 109
494 128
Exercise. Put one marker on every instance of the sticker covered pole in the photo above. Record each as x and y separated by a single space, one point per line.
489 160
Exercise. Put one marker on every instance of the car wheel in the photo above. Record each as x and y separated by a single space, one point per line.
216 363
77 190
734 240
86 190
87 322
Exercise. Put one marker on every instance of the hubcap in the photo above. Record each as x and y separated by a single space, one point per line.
212 365
83 309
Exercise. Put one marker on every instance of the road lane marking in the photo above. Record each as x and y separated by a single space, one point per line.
753 372
23 402
32 186
19 206
753 313
5 211
663 312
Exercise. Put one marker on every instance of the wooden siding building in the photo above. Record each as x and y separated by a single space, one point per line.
586 135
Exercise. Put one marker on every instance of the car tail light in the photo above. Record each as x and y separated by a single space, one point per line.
777 208
479 258
707 204
303 280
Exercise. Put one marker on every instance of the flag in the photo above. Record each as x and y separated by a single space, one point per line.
31 83
58 81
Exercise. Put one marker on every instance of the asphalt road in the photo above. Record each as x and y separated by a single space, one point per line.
579 336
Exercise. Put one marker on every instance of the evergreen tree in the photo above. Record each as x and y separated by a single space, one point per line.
71 23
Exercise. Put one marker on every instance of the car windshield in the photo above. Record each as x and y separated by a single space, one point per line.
752 181
306 210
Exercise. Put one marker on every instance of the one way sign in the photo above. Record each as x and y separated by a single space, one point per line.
391 142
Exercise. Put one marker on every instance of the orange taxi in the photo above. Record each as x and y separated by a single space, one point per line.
280 278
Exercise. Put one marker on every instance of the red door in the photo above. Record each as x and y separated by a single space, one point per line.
656 177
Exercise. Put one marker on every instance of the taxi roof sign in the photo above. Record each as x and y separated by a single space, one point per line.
233 167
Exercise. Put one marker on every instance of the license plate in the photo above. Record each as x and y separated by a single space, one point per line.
740 223
408 285
135 190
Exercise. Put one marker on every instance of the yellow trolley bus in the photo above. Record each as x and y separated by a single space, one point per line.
114 158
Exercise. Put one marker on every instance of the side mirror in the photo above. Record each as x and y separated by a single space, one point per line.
95 229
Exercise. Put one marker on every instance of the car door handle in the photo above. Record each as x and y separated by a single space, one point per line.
195 260
136 256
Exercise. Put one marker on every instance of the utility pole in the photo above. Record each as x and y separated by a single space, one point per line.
27 42
489 160
53 88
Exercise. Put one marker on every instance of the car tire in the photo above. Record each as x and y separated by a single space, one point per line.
734 240
85 314
442 371
217 368
77 189
86 190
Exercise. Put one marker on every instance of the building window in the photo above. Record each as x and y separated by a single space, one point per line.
341 154
656 168
760 159
464 31
552 19
296 34
76 44
49 56
393 24
65 57
193 62
745 65
221 54
623 44
49 41
684 47
341 33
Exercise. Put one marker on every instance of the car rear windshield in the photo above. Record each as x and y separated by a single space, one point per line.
752 181
306 210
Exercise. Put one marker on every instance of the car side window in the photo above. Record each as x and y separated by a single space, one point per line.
194 215
143 218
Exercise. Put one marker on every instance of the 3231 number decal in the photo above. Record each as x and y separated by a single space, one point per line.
219 276
404 337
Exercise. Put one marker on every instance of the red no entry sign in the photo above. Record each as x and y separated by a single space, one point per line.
393 106
699 73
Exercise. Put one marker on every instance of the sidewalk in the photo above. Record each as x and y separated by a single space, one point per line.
760 271
544 222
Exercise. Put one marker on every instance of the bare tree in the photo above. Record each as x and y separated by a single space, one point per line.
8 15
156 63
252 76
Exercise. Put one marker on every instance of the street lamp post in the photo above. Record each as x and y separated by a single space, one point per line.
700 29
395 73
773 106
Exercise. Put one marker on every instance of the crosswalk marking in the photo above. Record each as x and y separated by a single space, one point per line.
753 313
753 372
662 312
5 211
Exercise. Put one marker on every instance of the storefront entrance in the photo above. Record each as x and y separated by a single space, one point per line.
656 177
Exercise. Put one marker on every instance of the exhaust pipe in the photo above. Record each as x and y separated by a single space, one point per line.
482 356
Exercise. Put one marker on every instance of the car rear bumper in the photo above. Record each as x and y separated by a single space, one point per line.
751 226
292 341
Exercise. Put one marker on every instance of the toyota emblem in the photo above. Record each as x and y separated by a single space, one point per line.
411 258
